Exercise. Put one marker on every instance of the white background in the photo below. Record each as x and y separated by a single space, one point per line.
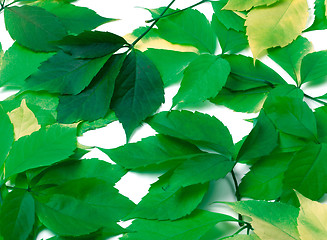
132 15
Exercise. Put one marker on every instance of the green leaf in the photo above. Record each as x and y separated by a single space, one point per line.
197 128
320 21
245 75
244 237
313 68
307 170
291 143
6 136
152 150
167 202
191 227
41 148
90 44
34 27
270 220
201 169
189 27
292 116
241 5
321 118
265 179
261 141
81 206
312 219
17 215
290 57
18 63
170 64
138 91
203 79
92 103
64 74
252 99
75 19
230 40
287 19
228 18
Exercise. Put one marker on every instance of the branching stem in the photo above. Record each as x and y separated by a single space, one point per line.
238 197
315 99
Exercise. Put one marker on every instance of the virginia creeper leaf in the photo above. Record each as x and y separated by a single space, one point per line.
197 128
6 136
34 27
64 74
90 44
291 143
138 91
320 21
92 103
241 5
312 68
17 215
244 237
41 148
287 19
152 150
24 121
321 118
191 227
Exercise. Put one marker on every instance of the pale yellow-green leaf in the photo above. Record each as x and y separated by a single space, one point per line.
277 25
312 220
24 121
241 5
326 8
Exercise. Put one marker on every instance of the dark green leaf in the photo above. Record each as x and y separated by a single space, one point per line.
90 44
75 19
138 91
320 21
166 202
190 228
230 40
64 74
307 170
321 118
203 79
34 27
6 136
17 215
170 64
313 68
42 148
92 103
102 122
291 143
197 128
18 63
152 150
290 57
189 27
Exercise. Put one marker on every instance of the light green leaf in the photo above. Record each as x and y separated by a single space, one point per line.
270 220
18 63
313 68
312 219
197 128
34 27
203 79
189 27
151 151
191 227
41 148
320 21
170 64
81 206
287 19
138 91
241 5
75 19
92 103
290 57
17 215
6 136
201 169
64 74
307 170
24 121
167 202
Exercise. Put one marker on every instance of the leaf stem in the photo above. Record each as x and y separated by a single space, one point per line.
178 11
152 25
238 197
315 99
